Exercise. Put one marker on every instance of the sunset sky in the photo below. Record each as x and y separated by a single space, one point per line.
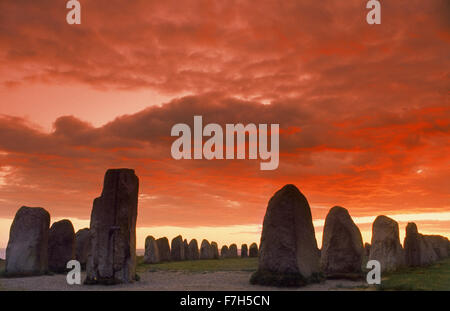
364 110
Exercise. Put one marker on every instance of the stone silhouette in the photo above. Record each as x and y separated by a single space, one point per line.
151 254
177 249
385 246
186 249
61 245
206 251
288 254
244 251
164 249
224 252
232 251
418 250
112 257
193 253
342 245
27 250
82 246
440 245
215 250
253 250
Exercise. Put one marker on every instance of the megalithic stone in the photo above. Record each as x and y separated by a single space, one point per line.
232 251
112 258
177 249
82 246
61 245
215 250
163 248
244 251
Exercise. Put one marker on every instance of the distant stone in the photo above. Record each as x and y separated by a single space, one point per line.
385 246
224 252
27 250
232 251
151 254
186 249
366 249
177 249
253 251
440 245
61 245
342 246
206 251
244 251
82 246
163 248
418 250
193 253
112 257
215 250
288 254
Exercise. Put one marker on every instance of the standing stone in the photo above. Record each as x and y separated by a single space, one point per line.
418 251
244 251
253 251
215 250
82 246
177 249
164 249
151 254
206 250
61 245
186 249
342 245
112 258
232 251
288 254
366 249
224 252
27 250
385 246
193 250
439 244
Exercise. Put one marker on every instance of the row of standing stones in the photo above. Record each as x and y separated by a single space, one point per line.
288 254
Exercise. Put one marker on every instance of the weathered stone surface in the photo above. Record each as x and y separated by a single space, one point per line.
288 254
27 250
342 246
244 251
215 250
151 254
385 246
186 249
82 246
193 253
232 251
253 250
224 252
177 249
418 250
112 258
61 245
440 245
206 251
366 249
163 248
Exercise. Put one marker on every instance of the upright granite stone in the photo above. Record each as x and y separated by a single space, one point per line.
151 254
164 249
215 250
224 252
82 246
193 253
112 257
177 249
253 250
385 246
439 244
232 251
288 254
244 251
342 245
206 250
61 245
418 250
27 250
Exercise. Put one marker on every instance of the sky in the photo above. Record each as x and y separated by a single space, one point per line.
364 110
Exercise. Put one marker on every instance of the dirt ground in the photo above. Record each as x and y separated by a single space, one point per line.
169 281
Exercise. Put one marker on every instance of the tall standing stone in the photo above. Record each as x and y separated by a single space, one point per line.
177 249
224 252
61 245
385 246
27 250
418 250
244 251
288 254
82 246
215 250
253 251
113 230
232 251
151 254
206 250
164 249
193 253
342 245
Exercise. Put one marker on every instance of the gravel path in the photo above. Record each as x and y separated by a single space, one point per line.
168 281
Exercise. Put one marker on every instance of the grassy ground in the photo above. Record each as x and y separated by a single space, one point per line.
213 265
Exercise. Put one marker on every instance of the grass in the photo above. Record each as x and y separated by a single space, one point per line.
213 265
433 278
